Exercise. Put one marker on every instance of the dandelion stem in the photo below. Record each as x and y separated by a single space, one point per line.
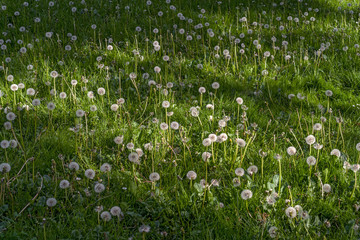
352 194
262 168
309 178
291 198
280 177
330 130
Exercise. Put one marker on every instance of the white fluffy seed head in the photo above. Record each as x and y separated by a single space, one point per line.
212 137
205 156
273 232
317 126
64 184
51 202
239 172
74 166
358 146
252 170
165 104
326 188
239 100
134 157
105 167
174 125
311 160
116 211
99 187
191 175
335 152
119 139
5 168
206 142
310 139
106 216
240 142
144 229
154 177
246 194
290 212
291 151
89 173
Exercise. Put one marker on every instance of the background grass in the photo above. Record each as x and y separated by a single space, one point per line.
174 207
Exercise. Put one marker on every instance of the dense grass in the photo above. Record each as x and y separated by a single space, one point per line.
112 45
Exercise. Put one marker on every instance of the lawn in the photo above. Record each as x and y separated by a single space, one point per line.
173 119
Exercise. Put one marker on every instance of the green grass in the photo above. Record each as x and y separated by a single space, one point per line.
175 207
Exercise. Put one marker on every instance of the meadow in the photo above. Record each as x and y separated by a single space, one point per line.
173 119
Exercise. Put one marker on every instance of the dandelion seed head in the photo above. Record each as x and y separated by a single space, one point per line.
80 113
30 92
114 107
239 100
165 104
318 146
335 152
222 123
101 91
252 170
106 167
54 74
236 182
273 232
191 175
355 167
63 95
212 137
202 90
144 229
119 139
346 165
99 187
64 184
13 143
14 87
206 142
134 157
246 194
4 144
130 146
290 212
93 108
10 116
7 125
51 106
106 216
311 160
240 142
310 139
163 126
74 166
223 137
326 188
328 93
291 151
174 125
5 168
51 202
215 85
358 147
89 173
317 126
305 215
154 177
239 172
